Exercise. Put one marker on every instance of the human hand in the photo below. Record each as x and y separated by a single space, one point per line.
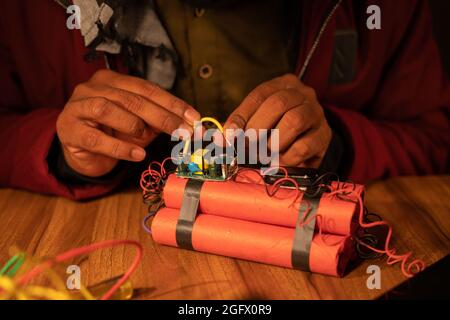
288 105
114 117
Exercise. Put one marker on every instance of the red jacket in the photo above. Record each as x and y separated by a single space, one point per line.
395 111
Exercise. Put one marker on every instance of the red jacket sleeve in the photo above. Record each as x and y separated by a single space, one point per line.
25 139
406 131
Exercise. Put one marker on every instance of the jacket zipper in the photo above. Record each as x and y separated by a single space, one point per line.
63 3
313 49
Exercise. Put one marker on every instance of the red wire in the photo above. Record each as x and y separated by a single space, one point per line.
86 250
407 269
151 179
278 184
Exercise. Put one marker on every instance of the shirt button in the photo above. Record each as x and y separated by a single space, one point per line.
205 71
199 12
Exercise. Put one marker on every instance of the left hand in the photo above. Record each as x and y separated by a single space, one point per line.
285 103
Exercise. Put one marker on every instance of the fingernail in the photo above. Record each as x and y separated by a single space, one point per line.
233 126
191 115
138 154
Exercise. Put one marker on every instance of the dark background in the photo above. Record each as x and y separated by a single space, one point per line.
441 13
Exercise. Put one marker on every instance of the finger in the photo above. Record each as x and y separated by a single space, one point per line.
302 150
104 111
294 123
150 91
308 92
273 109
154 115
96 141
313 162
239 118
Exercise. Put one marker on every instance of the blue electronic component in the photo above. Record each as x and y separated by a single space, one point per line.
193 168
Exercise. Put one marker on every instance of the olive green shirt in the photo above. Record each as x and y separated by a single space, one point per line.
226 51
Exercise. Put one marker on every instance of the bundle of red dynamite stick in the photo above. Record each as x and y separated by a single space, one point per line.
241 219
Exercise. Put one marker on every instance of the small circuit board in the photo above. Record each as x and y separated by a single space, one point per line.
214 169
199 164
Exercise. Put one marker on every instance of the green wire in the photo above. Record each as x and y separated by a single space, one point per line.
9 264
11 273
12 266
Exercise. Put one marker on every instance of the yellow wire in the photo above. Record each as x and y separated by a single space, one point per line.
86 293
214 121
32 292
60 285
56 280
203 120
8 286
10 290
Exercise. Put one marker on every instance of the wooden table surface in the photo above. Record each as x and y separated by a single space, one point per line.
45 226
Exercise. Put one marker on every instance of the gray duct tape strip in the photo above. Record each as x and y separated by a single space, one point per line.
188 213
303 235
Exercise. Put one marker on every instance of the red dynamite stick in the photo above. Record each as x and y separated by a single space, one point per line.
329 254
250 201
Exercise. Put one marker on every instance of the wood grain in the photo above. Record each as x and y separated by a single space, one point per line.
418 208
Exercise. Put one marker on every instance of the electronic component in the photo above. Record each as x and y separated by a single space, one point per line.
199 164
309 181
305 178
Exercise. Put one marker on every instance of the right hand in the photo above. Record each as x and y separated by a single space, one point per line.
114 117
